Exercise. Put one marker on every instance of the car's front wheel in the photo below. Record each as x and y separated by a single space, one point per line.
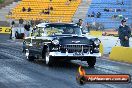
91 61
47 58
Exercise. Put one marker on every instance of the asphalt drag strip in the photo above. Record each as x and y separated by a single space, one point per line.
17 72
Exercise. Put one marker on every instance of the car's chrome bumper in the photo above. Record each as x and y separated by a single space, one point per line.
59 54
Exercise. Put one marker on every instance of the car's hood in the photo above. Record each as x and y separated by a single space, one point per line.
75 40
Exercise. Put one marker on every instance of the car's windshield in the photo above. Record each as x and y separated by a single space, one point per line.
60 29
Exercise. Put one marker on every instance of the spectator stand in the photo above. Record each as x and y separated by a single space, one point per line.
33 9
111 13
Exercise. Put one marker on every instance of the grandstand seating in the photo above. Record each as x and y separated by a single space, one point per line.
61 11
106 17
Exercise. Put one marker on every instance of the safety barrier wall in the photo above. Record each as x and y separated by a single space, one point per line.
101 49
123 54
96 33
5 30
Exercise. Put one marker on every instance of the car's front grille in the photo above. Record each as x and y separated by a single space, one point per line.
75 48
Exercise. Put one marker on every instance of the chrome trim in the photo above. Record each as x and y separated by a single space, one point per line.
59 54
75 41
75 48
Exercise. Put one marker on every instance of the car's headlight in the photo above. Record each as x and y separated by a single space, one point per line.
56 42
97 42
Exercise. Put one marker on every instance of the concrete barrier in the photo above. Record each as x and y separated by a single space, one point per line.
6 30
123 54
101 49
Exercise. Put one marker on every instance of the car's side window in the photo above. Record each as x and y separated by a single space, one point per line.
38 32
68 30
53 30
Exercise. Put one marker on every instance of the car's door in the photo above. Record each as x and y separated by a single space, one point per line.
37 41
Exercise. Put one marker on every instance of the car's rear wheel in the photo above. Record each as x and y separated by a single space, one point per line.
91 61
29 56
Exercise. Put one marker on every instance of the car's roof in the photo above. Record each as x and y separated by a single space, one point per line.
44 24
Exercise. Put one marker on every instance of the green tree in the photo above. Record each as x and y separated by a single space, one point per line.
1 1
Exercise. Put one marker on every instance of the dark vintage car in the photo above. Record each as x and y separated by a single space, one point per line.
61 41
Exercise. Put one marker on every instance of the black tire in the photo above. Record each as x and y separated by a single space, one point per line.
48 60
30 58
51 62
16 35
91 61
23 51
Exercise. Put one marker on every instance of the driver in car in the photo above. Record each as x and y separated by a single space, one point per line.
68 31
65 31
